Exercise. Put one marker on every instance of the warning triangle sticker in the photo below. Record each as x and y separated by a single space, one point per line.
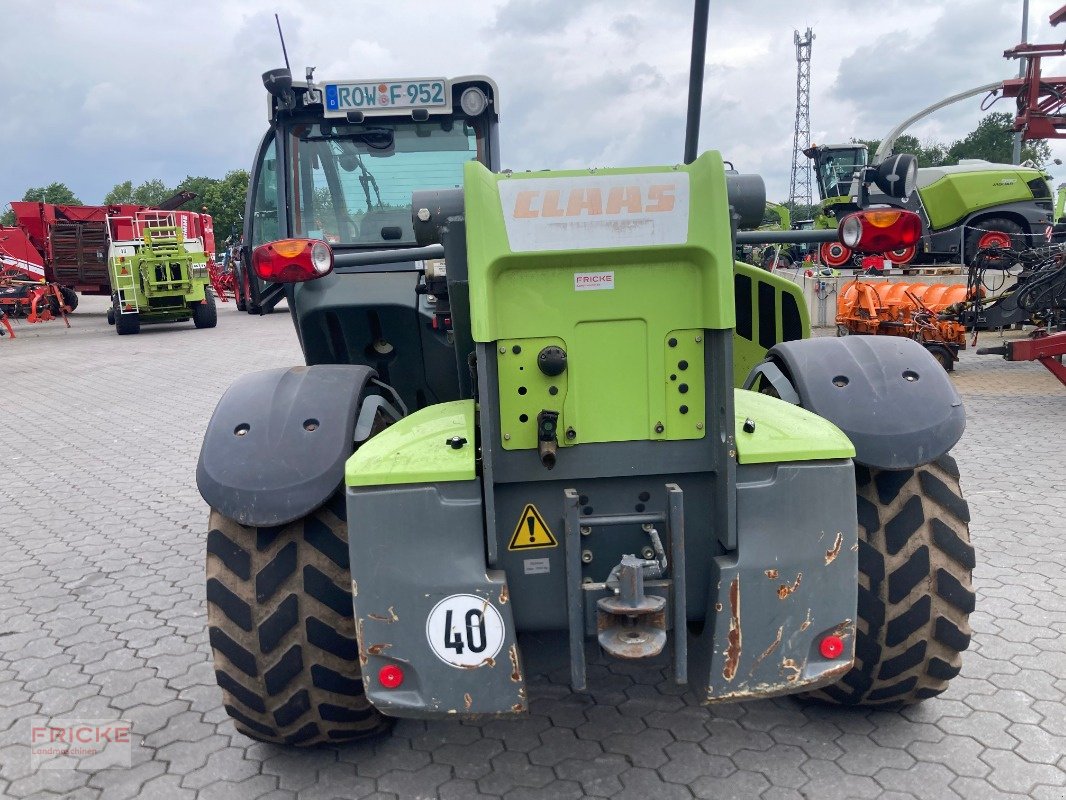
531 532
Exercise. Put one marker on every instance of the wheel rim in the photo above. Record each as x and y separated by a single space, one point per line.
994 239
835 254
901 256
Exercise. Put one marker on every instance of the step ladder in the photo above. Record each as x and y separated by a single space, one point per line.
125 286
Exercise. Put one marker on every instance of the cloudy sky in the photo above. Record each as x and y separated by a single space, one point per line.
104 91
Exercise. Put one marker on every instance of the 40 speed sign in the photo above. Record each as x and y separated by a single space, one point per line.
464 630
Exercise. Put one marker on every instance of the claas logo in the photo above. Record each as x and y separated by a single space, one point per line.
593 201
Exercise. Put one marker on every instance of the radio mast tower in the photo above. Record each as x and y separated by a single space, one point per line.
799 186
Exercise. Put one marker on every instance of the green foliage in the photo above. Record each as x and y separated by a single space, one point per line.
224 200
56 192
929 154
149 193
992 140
120 193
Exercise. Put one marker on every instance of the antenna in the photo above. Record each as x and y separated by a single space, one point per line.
281 36
799 186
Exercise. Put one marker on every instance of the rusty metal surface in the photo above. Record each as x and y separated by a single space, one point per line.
102 606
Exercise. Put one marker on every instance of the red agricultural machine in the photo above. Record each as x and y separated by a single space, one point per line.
23 289
68 245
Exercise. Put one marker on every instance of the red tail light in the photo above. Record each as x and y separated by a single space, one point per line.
292 260
880 230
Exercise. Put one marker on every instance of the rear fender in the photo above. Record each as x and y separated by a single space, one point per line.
887 393
276 445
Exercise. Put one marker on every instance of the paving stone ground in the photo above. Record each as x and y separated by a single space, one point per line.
102 616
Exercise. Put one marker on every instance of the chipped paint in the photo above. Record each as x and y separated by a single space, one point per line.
488 662
772 574
807 622
391 618
518 708
784 590
732 655
363 658
468 701
843 630
831 555
378 649
766 653
355 588
516 671
717 606
791 665
504 595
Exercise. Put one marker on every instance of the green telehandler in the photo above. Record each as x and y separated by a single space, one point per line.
548 411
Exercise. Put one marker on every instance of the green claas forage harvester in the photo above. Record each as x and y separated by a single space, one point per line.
158 269
555 415
964 208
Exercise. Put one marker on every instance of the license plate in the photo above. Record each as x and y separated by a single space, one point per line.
387 97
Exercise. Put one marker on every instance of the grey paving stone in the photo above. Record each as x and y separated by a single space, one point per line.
102 612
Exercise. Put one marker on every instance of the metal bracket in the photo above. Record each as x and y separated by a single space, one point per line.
675 520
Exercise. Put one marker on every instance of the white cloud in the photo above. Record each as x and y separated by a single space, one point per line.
96 93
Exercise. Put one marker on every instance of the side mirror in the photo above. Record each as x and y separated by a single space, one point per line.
896 175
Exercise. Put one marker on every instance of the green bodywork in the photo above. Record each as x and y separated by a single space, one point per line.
958 194
769 309
159 278
629 340
414 450
635 352
784 432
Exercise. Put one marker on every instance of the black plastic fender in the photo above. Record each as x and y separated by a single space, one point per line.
276 445
887 393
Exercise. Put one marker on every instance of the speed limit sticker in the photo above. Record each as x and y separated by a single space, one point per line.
465 630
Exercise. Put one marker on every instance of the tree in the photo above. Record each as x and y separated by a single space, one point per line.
119 194
929 154
56 192
151 193
993 140
225 200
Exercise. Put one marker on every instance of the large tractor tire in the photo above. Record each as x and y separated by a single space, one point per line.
994 232
280 621
205 314
915 587
125 324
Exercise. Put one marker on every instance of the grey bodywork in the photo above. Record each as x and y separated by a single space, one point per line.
887 393
276 445
730 569
412 546
754 615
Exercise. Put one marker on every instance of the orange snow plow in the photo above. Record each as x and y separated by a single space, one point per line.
911 310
